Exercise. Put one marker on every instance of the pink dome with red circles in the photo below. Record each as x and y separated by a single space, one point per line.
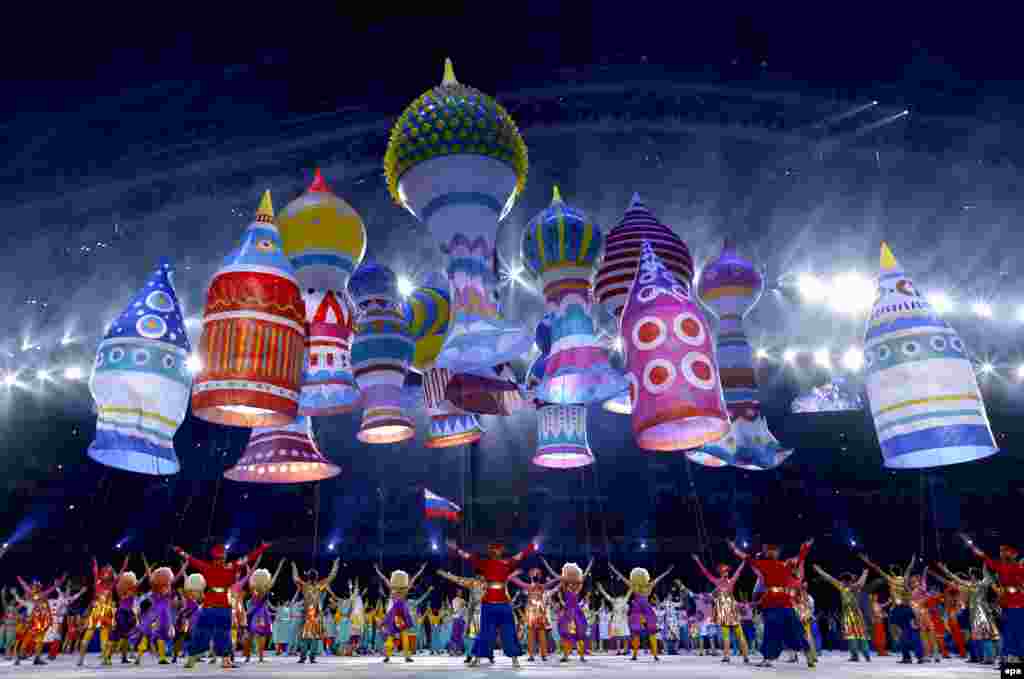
622 255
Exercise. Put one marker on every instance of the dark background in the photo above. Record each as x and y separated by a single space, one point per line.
128 136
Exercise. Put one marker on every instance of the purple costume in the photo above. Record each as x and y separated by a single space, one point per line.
641 616
456 642
260 616
158 622
572 624
188 616
398 618
125 620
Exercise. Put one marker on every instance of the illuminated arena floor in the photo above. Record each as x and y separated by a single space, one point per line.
832 665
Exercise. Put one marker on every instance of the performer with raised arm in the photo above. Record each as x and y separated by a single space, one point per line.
572 623
126 619
496 608
59 611
214 622
313 588
1011 599
642 618
618 626
156 629
40 617
101 611
854 630
901 614
537 626
984 630
399 619
260 611
475 588
726 612
782 626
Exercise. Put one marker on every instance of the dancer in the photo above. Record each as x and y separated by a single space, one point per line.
214 622
157 626
984 631
880 615
953 604
357 617
399 618
40 617
726 613
537 625
8 633
641 615
101 611
476 587
188 613
496 609
58 612
261 611
313 590
126 618
1011 579
782 626
853 620
618 627
901 614
572 624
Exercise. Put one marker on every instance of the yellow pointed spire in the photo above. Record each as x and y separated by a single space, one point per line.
449 74
265 212
556 195
887 260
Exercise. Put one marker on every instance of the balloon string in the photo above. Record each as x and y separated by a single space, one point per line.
316 521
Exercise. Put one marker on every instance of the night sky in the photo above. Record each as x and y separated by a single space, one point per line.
128 137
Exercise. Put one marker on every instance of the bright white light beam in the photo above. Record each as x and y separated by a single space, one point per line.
853 359
983 309
941 302
823 358
405 286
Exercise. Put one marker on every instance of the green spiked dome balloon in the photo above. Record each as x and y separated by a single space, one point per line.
453 119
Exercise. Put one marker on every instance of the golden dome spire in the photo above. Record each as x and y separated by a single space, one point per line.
265 212
556 195
449 74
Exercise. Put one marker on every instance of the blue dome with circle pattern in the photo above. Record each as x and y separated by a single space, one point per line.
154 312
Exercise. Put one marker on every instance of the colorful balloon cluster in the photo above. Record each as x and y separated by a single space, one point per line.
299 324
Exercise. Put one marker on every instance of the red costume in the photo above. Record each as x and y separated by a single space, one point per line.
1011 581
220 577
779 582
496 572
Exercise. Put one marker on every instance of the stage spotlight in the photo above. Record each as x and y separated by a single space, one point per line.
940 302
852 293
1020 372
823 358
330 547
405 286
73 373
616 344
761 354
193 364
987 368
10 380
983 309
789 355
811 288
433 546
66 340
42 375
643 545
853 359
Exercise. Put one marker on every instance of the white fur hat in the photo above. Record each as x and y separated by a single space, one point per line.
399 579
639 576
260 579
572 571
195 583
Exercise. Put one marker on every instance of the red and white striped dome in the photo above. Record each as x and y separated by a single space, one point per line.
622 255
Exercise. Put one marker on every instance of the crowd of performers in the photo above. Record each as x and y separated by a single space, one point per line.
223 611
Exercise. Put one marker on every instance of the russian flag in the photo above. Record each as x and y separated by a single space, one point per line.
438 507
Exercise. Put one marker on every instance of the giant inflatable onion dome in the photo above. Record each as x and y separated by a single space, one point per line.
453 119
323 236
